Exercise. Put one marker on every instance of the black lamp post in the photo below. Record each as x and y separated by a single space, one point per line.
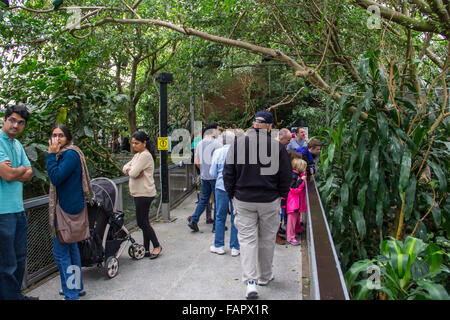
163 79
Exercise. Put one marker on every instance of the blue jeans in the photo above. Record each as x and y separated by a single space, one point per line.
208 187
223 203
13 253
68 260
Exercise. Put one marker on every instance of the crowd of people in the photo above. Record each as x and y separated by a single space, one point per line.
263 192
257 180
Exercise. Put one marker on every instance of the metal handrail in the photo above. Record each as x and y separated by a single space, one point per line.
326 277
42 200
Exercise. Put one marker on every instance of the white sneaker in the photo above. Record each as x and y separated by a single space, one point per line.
219 250
235 252
252 290
265 283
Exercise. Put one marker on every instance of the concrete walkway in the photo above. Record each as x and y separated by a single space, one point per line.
186 270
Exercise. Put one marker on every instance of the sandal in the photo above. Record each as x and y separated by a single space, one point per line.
155 255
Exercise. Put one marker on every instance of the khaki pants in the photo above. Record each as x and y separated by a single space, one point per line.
257 225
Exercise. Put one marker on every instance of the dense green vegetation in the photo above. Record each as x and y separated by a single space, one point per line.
377 97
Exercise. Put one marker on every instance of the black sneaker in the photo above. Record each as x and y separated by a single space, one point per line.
30 298
81 293
193 226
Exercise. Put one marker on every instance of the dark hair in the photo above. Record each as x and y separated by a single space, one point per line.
298 129
20 110
314 143
212 125
65 130
295 155
149 144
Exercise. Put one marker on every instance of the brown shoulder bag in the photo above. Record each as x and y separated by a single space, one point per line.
72 228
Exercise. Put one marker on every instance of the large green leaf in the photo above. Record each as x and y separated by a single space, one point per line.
344 194
355 270
413 247
434 256
331 149
395 149
363 290
410 197
358 219
362 196
399 263
38 174
363 68
440 175
374 171
404 172
383 128
391 247
435 291
31 152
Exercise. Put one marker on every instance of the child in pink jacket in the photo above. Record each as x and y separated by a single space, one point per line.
296 200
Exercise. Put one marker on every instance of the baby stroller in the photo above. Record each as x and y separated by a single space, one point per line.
107 231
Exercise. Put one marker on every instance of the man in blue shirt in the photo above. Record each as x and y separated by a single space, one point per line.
298 142
15 168
223 203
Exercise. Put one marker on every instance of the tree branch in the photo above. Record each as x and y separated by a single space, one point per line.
131 9
282 102
423 6
439 8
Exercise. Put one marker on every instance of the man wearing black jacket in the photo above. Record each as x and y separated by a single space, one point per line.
257 173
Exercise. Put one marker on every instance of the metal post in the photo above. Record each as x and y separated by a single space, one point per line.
163 79
120 198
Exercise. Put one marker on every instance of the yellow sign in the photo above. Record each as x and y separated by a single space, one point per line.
163 143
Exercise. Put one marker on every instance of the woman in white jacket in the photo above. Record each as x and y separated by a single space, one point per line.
142 188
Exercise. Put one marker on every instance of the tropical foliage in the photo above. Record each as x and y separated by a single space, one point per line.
372 84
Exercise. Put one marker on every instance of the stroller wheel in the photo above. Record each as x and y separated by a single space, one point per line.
111 267
131 251
138 251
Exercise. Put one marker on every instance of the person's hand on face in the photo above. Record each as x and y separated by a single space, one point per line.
53 145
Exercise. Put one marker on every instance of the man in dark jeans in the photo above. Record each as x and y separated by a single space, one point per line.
15 168
202 159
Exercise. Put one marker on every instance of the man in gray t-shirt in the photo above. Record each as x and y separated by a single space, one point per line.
202 159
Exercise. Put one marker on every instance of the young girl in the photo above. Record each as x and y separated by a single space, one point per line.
296 200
